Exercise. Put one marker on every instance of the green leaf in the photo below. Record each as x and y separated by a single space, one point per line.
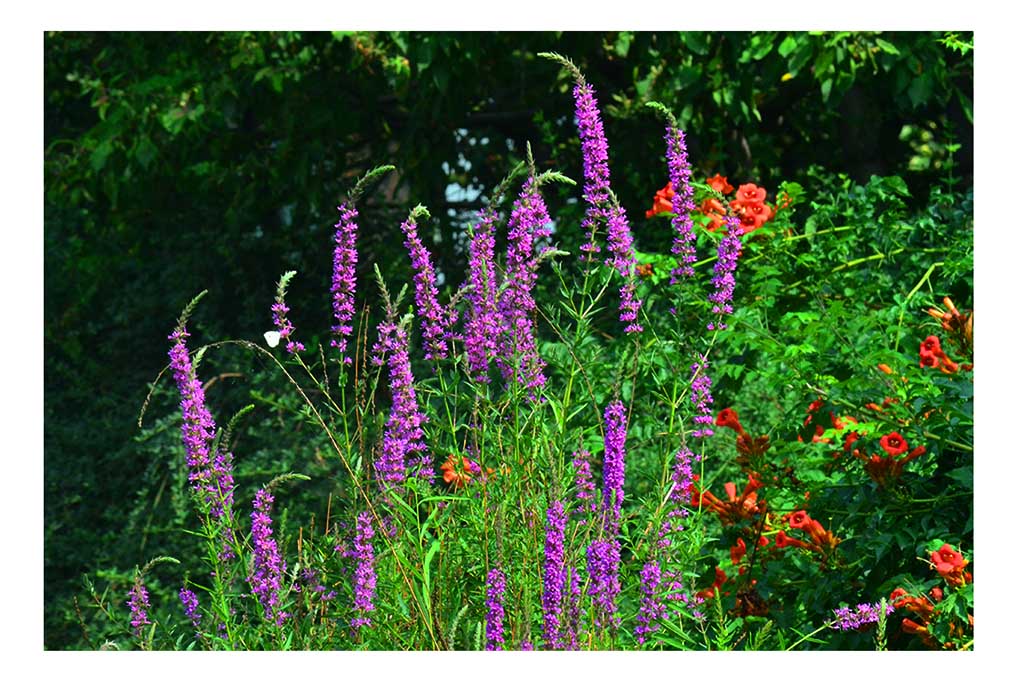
761 45
920 90
788 45
824 62
100 155
623 41
697 42
145 151
826 89
963 475
897 185
886 46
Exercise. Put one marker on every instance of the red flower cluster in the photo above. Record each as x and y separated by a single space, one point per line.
663 201
932 356
720 579
838 423
919 606
949 564
735 508
747 445
458 471
959 326
749 205
821 539
884 469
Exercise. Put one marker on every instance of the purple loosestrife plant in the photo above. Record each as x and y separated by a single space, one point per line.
403 436
574 612
495 590
676 592
138 603
518 355
554 576
436 320
683 203
584 486
189 600
482 328
653 610
210 473
603 557
283 325
344 284
345 261
701 397
602 205
679 496
613 465
861 615
595 157
723 282
267 566
364 572
621 246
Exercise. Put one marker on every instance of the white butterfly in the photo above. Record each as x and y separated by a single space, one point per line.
272 338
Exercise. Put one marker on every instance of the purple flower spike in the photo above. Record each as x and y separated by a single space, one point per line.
554 576
189 600
604 581
516 304
495 589
345 260
862 615
403 435
723 281
653 609
621 245
701 397
435 319
267 565
595 156
482 328
211 476
683 203
584 486
364 573
613 465
138 603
